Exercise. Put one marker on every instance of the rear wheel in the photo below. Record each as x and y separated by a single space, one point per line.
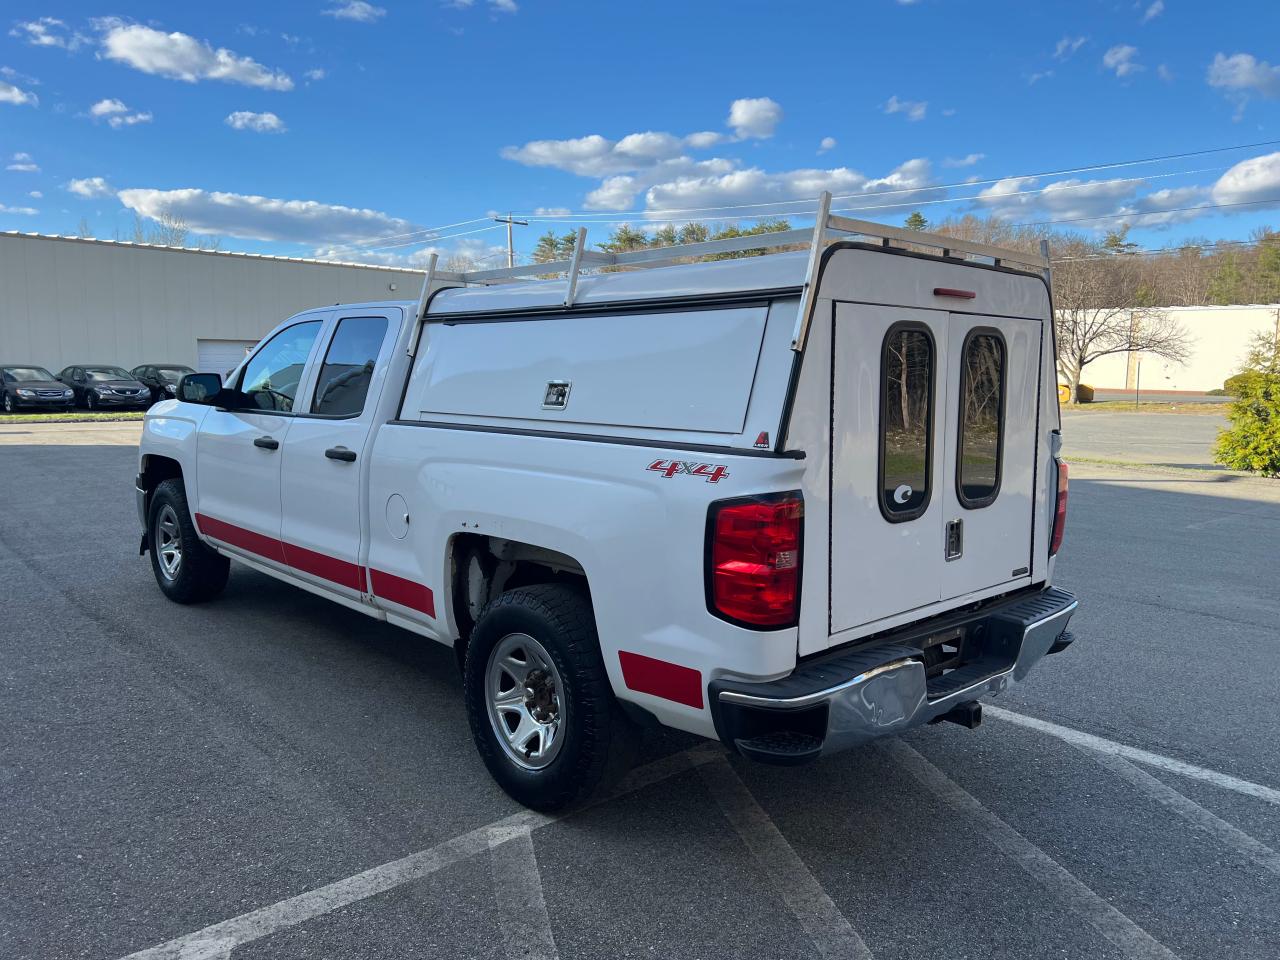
89 402
187 570
538 699
8 403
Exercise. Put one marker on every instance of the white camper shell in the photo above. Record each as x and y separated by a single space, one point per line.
793 501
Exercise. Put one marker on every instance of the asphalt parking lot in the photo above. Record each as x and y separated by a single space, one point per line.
1174 440
273 776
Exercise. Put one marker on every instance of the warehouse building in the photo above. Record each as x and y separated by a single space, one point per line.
1219 339
70 300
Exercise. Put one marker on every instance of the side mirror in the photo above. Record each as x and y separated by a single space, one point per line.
200 388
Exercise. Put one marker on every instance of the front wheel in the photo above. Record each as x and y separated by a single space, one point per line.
8 403
539 702
89 402
187 569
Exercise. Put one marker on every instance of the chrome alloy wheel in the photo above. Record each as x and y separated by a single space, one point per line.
525 697
168 539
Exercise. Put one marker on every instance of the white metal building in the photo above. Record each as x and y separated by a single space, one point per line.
1220 338
68 300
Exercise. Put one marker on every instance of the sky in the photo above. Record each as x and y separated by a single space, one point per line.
380 131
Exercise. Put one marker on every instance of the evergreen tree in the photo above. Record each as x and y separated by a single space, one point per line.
916 221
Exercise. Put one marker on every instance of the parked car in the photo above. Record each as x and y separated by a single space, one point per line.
791 502
160 378
27 387
99 385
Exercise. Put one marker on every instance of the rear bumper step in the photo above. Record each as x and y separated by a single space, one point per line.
897 683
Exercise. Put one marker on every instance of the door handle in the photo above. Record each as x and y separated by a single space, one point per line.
266 443
341 453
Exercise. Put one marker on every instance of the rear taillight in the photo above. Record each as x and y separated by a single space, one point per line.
1059 510
753 560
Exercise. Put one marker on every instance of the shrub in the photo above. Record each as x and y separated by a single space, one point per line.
1252 442
1217 392
1233 386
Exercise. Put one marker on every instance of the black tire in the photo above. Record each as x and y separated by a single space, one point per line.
88 401
201 572
598 740
9 405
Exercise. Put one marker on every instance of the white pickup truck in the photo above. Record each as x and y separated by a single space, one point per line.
793 502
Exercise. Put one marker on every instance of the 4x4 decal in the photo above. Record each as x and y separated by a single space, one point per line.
711 472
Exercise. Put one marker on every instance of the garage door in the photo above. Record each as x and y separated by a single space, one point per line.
221 356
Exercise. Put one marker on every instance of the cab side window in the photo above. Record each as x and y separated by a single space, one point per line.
271 379
348 366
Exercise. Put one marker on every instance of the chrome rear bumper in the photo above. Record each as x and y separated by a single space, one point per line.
885 688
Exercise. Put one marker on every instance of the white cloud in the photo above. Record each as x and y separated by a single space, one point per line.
1253 181
48 32
91 187
704 139
754 185
1067 47
1020 198
504 6
36 195
257 122
117 114
1153 11
597 156
265 218
966 161
1038 76
315 74
1243 73
914 109
827 143
755 118
16 95
357 10
183 57
1120 58
23 163
1164 73
552 212
21 211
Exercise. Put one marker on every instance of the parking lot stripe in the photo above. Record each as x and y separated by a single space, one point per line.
1189 810
1089 741
1126 935
369 883
800 889
517 888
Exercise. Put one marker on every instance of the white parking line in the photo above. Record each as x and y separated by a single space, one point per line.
517 889
1189 810
314 903
1089 741
1127 936
800 889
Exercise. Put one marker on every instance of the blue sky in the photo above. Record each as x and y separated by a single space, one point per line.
348 129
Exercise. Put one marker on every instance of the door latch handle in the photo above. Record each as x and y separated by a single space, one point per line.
341 453
266 443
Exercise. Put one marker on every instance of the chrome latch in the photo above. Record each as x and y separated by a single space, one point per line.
955 539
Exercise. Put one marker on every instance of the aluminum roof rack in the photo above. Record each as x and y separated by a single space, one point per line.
827 229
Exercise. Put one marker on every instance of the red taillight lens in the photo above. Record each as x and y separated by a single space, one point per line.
753 553
1060 511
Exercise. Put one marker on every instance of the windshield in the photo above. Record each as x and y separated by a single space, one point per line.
106 373
28 374
173 374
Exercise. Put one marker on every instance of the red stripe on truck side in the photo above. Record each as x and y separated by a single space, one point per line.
342 572
407 593
661 679
263 546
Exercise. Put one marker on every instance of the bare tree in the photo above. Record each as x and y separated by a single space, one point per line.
1103 306
169 230
83 230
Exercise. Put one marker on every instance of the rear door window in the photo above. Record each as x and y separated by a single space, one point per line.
981 441
348 366
907 363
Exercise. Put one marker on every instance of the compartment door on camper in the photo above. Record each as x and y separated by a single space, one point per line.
888 449
992 381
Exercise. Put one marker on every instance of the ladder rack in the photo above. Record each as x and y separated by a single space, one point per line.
827 229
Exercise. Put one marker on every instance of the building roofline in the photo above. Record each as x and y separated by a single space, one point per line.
17 234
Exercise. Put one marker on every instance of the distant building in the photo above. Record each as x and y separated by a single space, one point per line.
1220 338
68 300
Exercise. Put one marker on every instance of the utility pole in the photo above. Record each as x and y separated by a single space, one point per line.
511 250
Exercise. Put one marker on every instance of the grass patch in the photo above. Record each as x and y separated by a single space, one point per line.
1128 406
78 416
